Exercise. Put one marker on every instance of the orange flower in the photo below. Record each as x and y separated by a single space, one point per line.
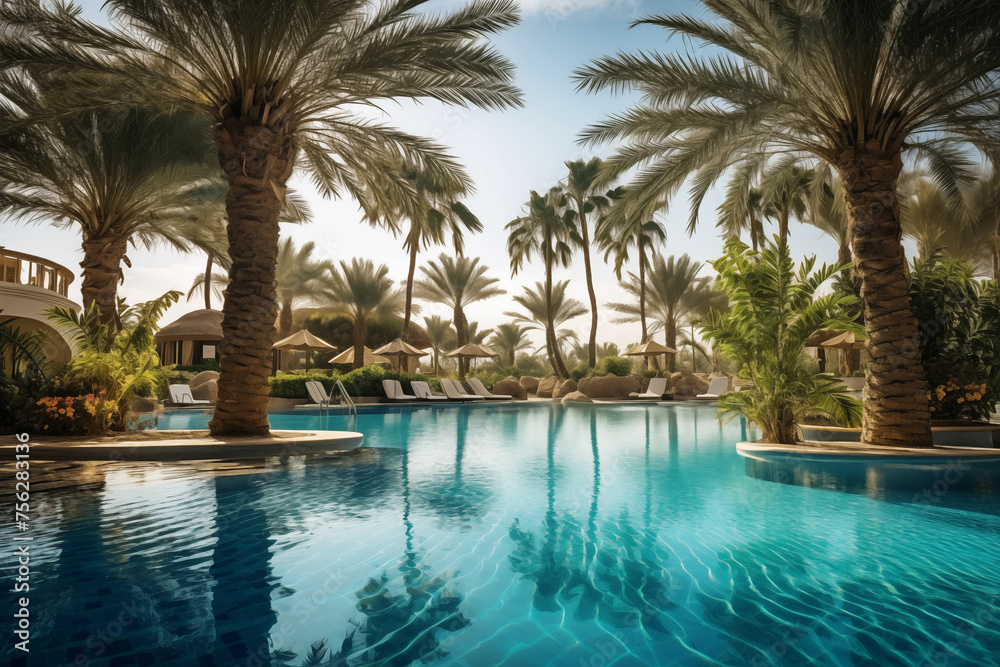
961 400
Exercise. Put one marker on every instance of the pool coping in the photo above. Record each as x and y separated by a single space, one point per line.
846 450
279 443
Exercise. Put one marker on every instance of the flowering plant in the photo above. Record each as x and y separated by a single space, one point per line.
70 415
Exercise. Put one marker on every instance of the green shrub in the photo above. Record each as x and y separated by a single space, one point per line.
366 381
580 371
614 366
207 365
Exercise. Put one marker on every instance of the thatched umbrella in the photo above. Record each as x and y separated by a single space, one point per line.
470 351
651 349
400 349
347 357
303 341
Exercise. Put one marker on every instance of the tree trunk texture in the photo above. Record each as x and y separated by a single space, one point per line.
671 331
359 336
783 225
642 300
102 272
462 335
256 162
285 319
208 283
585 233
896 410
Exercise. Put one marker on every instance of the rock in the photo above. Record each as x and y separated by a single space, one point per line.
581 384
206 391
511 387
566 387
529 383
140 404
577 397
686 384
203 377
611 386
546 387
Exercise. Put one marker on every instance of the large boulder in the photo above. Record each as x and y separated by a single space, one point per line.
687 384
576 397
141 404
203 377
529 383
546 387
611 386
206 391
511 387
566 387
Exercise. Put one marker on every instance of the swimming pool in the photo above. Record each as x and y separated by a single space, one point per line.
488 535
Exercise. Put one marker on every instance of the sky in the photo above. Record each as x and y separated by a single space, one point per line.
507 154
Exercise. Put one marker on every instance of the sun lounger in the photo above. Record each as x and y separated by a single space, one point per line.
480 389
424 393
180 394
454 391
657 388
317 392
716 386
394 391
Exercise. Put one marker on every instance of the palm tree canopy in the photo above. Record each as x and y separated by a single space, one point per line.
301 68
509 338
456 282
540 311
299 276
617 237
437 329
673 292
361 291
547 228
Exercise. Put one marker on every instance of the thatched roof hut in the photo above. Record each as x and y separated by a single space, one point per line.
191 339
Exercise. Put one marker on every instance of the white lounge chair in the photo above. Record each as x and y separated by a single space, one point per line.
394 391
477 386
318 394
456 392
657 388
424 393
716 386
180 394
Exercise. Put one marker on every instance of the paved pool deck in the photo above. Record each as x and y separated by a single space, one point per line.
182 446
826 451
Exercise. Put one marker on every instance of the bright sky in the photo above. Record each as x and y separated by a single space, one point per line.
507 154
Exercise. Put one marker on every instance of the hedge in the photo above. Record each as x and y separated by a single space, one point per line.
366 381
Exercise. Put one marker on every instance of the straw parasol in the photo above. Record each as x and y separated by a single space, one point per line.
847 341
650 349
400 349
302 341
470 351
347 357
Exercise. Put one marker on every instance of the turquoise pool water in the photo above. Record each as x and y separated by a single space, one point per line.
504 535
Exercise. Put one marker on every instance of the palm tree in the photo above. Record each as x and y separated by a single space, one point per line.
584 198
671 287
299 277
456 282
783 194
828 213
852 83
508 339
617 240
547 228
438 330
547 309
283 84
209 236
85 172
475 335
362 293
742 210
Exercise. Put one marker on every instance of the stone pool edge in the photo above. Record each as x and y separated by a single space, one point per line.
832 450
279 443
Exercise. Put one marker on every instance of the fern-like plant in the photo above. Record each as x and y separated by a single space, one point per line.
773 310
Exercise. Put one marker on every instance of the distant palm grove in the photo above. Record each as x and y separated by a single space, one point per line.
870 120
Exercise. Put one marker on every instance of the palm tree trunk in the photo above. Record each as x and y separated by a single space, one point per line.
783 225
359 336
896 410
285 319
585 233
256 162
671 339
462 335
208 282
102 272
408 311
642 298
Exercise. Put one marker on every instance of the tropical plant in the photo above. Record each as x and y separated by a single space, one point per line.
855 84
284 84
959 337
22 353
617 238
546 229
547 309
619 366
300 278
84 172
508 339
457 282
475 335
116 364
773 310
361 293
438 331
584 198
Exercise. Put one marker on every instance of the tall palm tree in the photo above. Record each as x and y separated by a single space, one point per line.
785 195
299 277
362 293
208 234
670 286
854 83
546 229
983 209
475 335
508 339
283 83
433 212
438 330
456 282
828 213
619 238
742 210
585 198
87 172
548 309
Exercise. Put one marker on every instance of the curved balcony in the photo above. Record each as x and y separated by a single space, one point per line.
23 269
